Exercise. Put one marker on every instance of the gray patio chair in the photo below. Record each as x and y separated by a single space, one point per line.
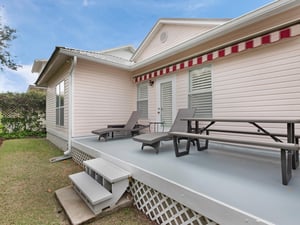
131 127
153 139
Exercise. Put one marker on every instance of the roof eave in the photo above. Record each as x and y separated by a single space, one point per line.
61 51
93 59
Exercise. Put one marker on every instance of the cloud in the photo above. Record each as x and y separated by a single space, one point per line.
87 3
3 16
26 73
17 81
184 6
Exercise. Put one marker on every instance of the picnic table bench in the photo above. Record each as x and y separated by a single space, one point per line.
289 150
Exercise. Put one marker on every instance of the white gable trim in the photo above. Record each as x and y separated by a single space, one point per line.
254 42
156 28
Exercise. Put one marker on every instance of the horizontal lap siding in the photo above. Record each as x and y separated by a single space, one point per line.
62 75
182 89
102 95
176 34
259 83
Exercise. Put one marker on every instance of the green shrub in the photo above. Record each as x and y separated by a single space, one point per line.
1 126
23 114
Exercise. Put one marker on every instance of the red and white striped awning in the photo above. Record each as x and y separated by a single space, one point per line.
255 42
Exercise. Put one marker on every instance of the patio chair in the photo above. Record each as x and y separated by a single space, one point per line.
131 127
153 139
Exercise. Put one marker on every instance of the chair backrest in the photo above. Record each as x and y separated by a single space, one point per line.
132 121
180 125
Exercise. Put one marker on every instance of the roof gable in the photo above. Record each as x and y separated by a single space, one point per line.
168 33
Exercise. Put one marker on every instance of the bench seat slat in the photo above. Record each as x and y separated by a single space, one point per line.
277 145
249 132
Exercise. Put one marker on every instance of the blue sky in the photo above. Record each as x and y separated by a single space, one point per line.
94 25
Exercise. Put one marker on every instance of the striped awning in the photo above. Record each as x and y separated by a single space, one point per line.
255 42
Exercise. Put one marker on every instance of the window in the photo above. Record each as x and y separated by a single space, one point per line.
60 104
142 100
200 92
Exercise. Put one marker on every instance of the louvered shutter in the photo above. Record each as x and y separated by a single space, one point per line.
166 103
142 100
200 96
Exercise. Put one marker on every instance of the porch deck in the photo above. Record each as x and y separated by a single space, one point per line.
228 184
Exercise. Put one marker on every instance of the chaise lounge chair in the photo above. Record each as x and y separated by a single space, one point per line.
153 139
131 127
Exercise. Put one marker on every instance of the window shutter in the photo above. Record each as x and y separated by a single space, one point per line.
142 100
200 96
166 103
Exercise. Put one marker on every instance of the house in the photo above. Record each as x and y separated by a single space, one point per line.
244 67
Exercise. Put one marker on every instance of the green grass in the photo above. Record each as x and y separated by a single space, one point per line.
28 181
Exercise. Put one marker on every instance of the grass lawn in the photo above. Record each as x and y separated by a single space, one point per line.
28 181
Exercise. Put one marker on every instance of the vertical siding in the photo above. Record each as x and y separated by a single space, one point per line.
262 83
61 75
102 95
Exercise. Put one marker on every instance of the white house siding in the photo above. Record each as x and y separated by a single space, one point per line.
182 89
259 83
57 134
176 34
102 95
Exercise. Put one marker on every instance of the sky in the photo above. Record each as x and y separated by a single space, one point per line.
41 25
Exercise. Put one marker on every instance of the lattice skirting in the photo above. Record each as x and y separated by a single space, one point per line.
157 206
79 156
162 209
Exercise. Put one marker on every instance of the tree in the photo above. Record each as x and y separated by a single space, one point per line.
7 34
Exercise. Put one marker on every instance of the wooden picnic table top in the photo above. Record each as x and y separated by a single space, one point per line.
248 120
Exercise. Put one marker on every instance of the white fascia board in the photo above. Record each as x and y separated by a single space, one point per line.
93 59
242 21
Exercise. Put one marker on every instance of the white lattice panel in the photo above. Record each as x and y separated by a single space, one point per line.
157 206
162 209
79 156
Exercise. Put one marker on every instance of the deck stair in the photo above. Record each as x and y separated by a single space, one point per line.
101 185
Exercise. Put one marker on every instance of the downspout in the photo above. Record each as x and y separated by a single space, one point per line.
70 120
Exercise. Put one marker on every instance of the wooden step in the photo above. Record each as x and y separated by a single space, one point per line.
90 188
107 170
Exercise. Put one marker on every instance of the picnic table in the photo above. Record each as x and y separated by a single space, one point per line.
289 148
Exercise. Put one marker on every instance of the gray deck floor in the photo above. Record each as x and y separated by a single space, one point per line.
245 179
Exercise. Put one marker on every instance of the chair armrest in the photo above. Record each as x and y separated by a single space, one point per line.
140 126
116 126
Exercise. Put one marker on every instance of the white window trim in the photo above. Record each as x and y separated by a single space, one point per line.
58 121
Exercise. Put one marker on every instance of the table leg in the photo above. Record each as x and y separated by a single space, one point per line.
181 153
288 157
286 166
296 154
189 126
291 139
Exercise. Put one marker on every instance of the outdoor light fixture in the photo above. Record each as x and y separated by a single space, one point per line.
151 82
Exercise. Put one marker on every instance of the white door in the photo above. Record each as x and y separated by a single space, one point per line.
166 101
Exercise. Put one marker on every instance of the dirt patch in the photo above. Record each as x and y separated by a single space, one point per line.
1 141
